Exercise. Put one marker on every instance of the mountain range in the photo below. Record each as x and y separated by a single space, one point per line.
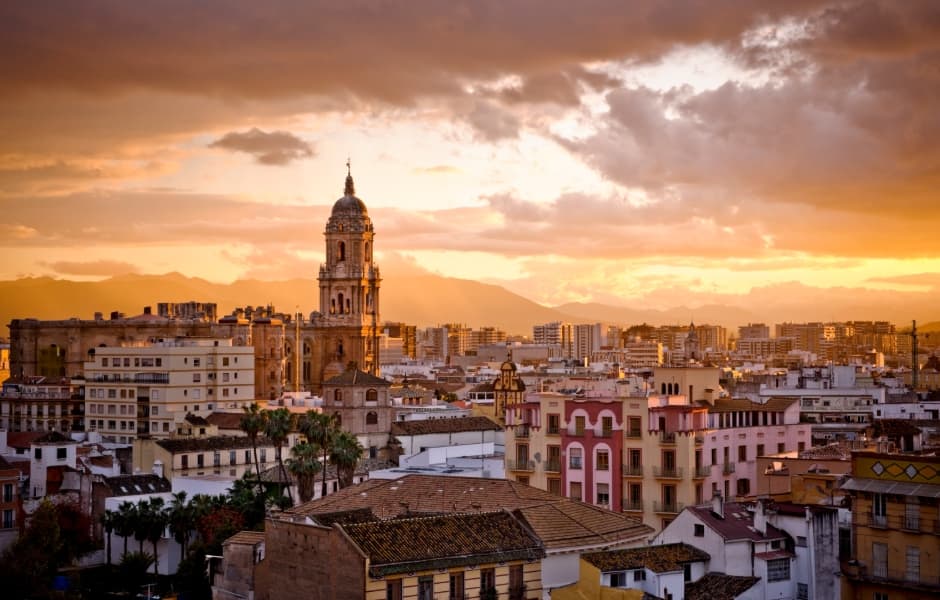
426 299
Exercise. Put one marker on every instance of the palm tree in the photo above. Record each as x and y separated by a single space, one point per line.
141 524
108 519
253 424
319 428
304 465
156 522
276 429
345 455
125 522
180 517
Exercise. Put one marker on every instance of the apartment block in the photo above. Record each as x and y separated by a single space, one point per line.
148 390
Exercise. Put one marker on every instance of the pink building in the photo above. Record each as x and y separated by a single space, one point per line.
592 444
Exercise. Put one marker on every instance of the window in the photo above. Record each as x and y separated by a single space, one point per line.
104 362
879 510
579 425
607 425
372 418
781 447
487 581
554 424
516 585
742 453
61 453
8 492
195 362
338 396
778 569
8 521
575 492
744 487
456 585
603 460
639 575
879 559
393 589
231 457
554 486
714 456
618 580
760 449
603 494
801 541
699 530
372 396
913 563
264 455
635 496
426 588
185 461
574 458
37 453
633 429
200 460
224 361
880 596
197 377
912 514
802 591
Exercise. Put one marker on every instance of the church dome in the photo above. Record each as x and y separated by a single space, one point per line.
349 204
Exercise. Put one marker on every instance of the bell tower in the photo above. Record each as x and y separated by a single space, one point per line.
349 289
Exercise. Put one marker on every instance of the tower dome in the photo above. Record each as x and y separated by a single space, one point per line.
349 204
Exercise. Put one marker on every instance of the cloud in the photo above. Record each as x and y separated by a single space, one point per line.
269 148
92 268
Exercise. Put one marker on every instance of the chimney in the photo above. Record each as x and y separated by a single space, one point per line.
718 505
760 518
158 468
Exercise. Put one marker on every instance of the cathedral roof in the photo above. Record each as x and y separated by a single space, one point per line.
349 204
356 377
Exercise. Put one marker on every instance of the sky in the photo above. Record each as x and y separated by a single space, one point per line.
642 153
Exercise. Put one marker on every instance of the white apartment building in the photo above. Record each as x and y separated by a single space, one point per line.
149 390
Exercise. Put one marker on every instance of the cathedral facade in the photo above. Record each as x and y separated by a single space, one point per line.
292 352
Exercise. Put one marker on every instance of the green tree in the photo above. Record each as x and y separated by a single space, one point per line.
304 465
156 521
181 521
319 429
133 571
253 424
345 454
107 519
28 566
278 427
125 521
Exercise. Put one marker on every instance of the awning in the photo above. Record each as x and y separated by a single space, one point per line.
900 488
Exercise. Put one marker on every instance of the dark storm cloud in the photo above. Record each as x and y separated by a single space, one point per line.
267 147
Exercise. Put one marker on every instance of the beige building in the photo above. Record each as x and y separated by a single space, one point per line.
149 390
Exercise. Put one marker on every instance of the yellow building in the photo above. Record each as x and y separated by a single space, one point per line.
895 527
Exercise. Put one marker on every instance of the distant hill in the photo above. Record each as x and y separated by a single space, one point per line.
427 299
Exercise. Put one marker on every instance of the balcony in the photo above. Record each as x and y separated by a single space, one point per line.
630 505
552 430
667 472
634 434
727 468
701 472
552 466
521 431
576 432
667 507
667 438
881 574
879 521
633 470
604 433
574 463
699 439
520 465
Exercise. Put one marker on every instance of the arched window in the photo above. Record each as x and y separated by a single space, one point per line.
342 251
367 251
372 396
348 306
662 389
372 418
306 349
340 301
338 396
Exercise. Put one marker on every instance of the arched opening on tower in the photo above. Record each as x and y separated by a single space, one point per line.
342 251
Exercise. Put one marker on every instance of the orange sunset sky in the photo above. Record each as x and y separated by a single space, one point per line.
619 152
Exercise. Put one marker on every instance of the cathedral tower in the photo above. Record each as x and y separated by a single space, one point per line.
349 289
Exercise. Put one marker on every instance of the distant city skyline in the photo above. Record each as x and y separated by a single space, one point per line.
648 155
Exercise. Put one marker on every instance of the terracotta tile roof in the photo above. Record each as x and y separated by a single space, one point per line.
452 425
424 543
772 554
196 419
223 442
773 404
659 559
249 538
718 586
224 420
737 524
356 377
558 522
22 439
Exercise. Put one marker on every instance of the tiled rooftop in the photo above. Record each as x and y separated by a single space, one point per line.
452 425
422 543
134 485
356 377
659 559
224 420
558 522
737 523
229 442
718 586
246 537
